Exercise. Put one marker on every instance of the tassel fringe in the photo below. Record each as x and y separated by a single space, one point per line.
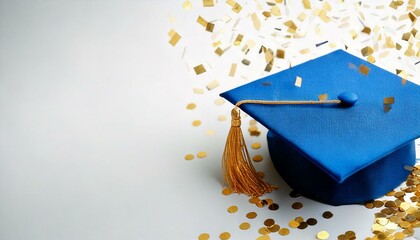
238 172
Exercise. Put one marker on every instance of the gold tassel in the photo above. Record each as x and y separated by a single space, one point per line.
238 172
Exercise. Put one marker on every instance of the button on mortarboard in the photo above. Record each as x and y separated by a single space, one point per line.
331 153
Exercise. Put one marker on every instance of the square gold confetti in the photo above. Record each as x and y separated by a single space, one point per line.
280 53
389 100
174 39
364 69
237 8
219 51
199 69
202 21
238 40
366 51
208 3
210 27
306 4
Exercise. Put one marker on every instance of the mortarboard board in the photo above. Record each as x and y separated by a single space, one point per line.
336 153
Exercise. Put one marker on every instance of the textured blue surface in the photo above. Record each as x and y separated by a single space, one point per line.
339 140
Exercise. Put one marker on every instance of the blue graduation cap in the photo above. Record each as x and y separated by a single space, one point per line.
353 147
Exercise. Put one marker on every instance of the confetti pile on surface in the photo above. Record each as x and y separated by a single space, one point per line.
241 41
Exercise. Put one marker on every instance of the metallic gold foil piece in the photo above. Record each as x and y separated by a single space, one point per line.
274 228
202 21
204 236
371 59
212 85
251 215
210 27
232 209
237 7
263 237
224 236
221 118
269 222
196 123
284 231
366 51
275 10
219 101
322 235
302 16
201 154
306 4
389 100
323 97
186 5
198 91
298 81
257 158
199 69
191 106
189 157
232 70
238 40
364 69
255 21
280 53
256 146
244 226
263 231
294 224
175 37
208 3
226 191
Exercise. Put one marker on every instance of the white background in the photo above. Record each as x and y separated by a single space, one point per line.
93 129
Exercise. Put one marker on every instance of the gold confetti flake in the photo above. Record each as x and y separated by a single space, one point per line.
256 21
275 11
210 132
291 25
284 231
306 4
323 16
246 62
237 8
212 85
196 123
219 101
263 231
189 157
366 30
326 6
187 5
208 3
371 59
244 226
297 205
219 51
199 69
364 69
389 100
226 191
224 236
230 2
175 37
403 81
298 81
204 236
323 97
294 224
322 235
198 91
232 70
263 237
274 228
302 16
191 106
202 21
366 51
201 154
280 53
232 209
269 222
257 158
256 146
327 215
251 215
222 118
210 27
238 40
304 51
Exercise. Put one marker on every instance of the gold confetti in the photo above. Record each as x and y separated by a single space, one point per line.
212 85
366 30
230 2
208 3
232 209
366 51
199 69
306 4
196 123
403 81
224 236
275 11
246 62
201 154
294 224
204 236
280 53
189 157
202 21
274 228
251 215
222 118
232 70
237 8
364 69
191 106
263 231
198 91
371 59
298 82
389 100
255 21
264 237
284 231
327 215
210 27
256 146
226 191
297 205
304 51
244 226
219 101
175 37
302 16
291 25
322 235
187 5
238 40
257 158
323 97
269 222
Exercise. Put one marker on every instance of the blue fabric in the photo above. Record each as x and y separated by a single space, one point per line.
367 184
340 141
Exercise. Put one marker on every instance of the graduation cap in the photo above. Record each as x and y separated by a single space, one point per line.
352 147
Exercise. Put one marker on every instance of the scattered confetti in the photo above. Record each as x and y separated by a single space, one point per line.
208 3
284 231
364 69
199 69
251 215
212 85
244 226
224 236
322 235
257 158
201 154
191 106
204 236
232 209
232 70
256 146
175 37
189 157
327 215
298 82
196 123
